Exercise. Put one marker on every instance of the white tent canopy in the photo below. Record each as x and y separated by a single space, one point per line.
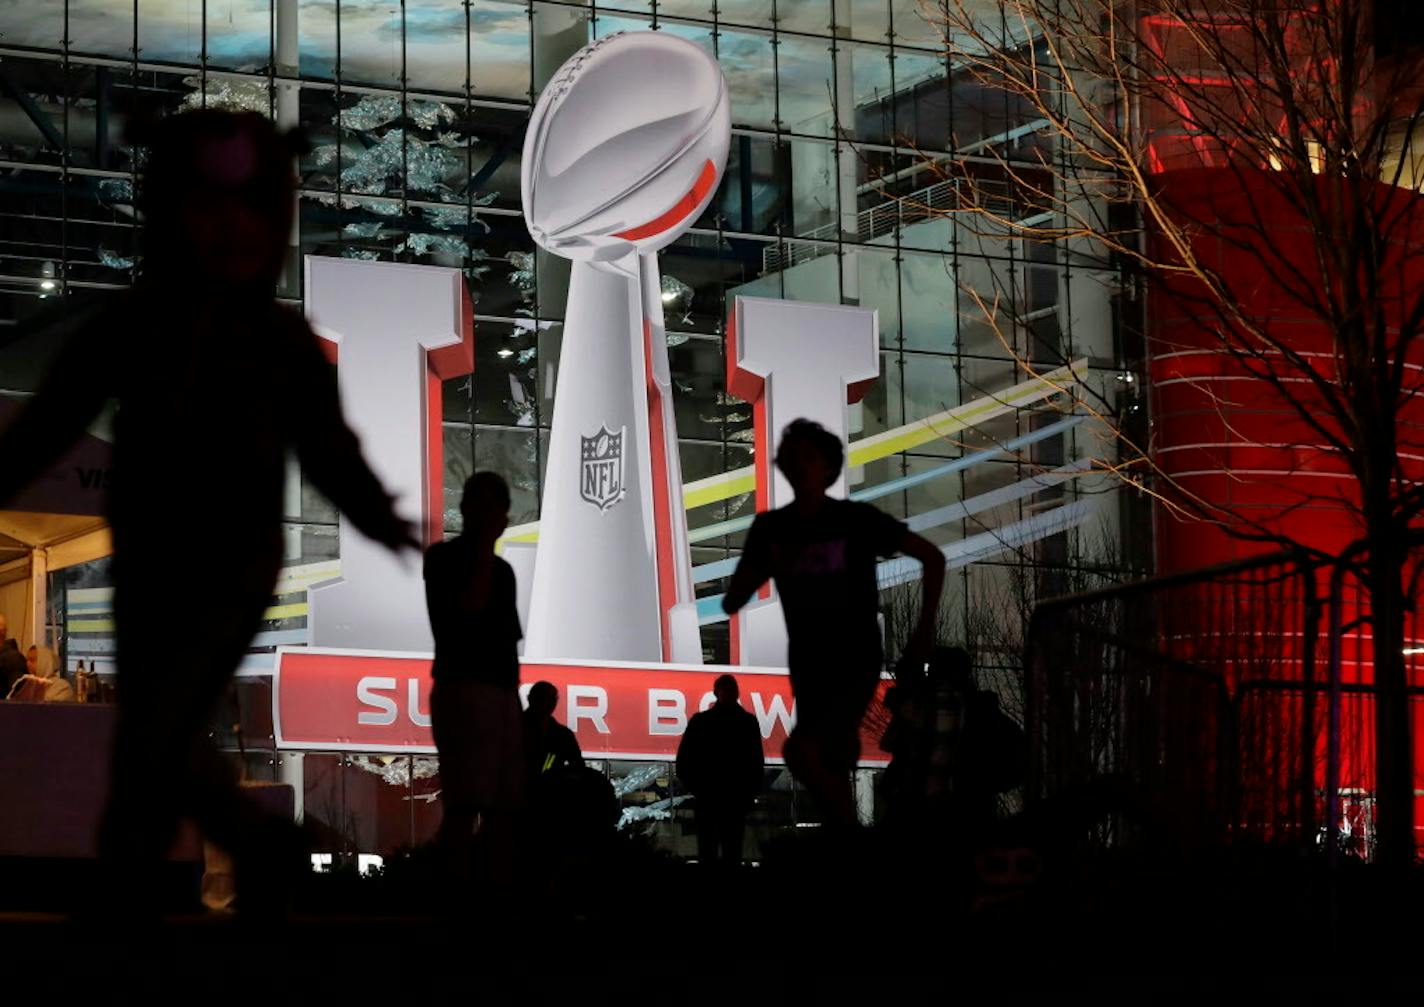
36 544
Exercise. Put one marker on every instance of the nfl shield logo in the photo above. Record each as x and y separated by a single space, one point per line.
601 468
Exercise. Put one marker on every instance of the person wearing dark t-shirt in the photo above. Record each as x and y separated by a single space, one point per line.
203 364
474 703
822 554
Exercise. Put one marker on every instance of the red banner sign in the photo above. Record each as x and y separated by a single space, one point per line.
367 701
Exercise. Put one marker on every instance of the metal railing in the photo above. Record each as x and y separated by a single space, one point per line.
1209 708
877 221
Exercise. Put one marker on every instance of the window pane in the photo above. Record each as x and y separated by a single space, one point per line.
914 24
101 27
316 39
698 34
805 86
926 385
499 48
873 89
921 106
930 302
746 12
370 42
804 15
505 371
748 64
869 19
514 454
754 197
435 46
501 283
815 178
167 32
41 25
700 9
559 32
877 283
240 34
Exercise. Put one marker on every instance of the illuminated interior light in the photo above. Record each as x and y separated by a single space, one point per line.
504 353
47 284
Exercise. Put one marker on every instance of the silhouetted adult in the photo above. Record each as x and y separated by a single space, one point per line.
822 554
474 705
720 761
549 746
215 384
12 662
976 751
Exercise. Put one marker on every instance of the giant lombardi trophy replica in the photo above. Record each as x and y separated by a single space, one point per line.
625 148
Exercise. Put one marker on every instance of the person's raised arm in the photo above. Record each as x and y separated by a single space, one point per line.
922 639
68 399
753 569
329 452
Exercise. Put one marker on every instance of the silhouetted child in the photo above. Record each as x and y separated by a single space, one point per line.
549 746
822 554
955 751
720 761
215 383
474 704
976 751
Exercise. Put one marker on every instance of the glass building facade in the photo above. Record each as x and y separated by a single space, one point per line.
845 114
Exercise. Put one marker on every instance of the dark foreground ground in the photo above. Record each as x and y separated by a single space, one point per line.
828 913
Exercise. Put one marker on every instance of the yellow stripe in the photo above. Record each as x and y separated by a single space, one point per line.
722 487
882 445
90 625
107 625
87 594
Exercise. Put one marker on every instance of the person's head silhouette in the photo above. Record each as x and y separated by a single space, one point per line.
543 699
810 457
485 506
951 666
726 690
218 195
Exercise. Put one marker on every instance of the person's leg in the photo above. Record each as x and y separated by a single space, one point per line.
705 819
174 667
816 760
459 811
502 726
269 853
732 832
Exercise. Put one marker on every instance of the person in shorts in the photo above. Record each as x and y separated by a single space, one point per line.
474 704
822 552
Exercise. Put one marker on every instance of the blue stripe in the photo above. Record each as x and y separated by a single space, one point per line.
974 549
879 490
709 610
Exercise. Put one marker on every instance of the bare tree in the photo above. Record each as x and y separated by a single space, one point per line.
988 611
1306 116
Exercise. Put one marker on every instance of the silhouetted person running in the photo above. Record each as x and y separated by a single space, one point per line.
822 554
720 761
549 746
215 383
474 704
